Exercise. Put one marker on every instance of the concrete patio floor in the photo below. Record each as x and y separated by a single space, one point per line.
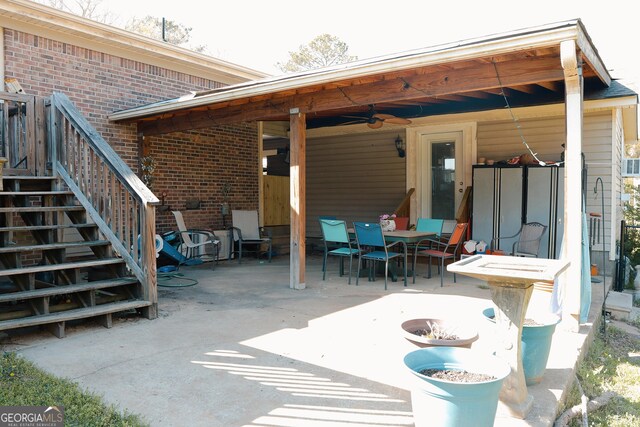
241 348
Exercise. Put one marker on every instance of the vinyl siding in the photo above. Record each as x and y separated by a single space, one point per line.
353 177
500 140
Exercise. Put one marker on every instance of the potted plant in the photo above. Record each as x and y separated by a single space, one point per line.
454 386
387 222
537 334
439 332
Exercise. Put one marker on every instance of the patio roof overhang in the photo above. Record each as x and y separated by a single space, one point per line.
462 76
553 60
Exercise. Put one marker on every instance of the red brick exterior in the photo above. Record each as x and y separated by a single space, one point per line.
192 165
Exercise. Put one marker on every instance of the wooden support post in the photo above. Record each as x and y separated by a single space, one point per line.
297 175
150 287
3 160
106 320
57 329
572 247
40 137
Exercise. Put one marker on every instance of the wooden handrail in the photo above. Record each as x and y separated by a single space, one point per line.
103 149
117 200
403 208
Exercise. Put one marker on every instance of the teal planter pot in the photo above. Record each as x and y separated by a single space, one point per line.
442 403
536 346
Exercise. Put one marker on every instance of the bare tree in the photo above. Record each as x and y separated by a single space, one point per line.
322 51
174 32
90 9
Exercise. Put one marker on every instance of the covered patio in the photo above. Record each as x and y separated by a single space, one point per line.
239 348
537 66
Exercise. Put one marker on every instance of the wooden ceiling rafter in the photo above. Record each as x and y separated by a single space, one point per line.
528 89
552 86
478 94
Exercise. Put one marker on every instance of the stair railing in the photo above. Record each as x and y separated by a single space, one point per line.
404 208
115 198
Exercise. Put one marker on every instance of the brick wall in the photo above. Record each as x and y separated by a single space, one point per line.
202 164
190 165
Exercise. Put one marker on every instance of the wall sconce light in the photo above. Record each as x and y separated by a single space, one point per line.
400 146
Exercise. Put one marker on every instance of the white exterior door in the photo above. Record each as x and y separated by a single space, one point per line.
441 174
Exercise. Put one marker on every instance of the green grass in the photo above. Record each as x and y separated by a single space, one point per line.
612 364
23 384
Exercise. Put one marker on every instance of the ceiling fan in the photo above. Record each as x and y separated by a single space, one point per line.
375 120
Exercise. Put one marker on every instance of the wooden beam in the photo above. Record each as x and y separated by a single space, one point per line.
297 183
572 246
525 89
552 86
420 85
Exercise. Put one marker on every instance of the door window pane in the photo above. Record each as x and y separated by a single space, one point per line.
443 174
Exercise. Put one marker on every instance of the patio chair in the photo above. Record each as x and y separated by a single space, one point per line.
246 231
337 243
432 225
191 239
443 251
402 222
372 247
528 243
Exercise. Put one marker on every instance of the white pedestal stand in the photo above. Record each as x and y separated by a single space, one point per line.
511 282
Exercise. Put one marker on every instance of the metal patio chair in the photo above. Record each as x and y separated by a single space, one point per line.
246 231
529 238
373 247
192 239
443 251
337 243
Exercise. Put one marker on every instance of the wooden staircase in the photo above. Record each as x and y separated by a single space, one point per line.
55 264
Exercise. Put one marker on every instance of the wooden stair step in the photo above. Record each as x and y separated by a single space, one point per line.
79 313
42 209
67 289
37 193
44 227
29 178
62 266
52 246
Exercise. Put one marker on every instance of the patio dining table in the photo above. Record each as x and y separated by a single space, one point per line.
407 237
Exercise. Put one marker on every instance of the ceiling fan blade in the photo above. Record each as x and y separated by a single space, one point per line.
363 118
398 121
375 125
381 116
